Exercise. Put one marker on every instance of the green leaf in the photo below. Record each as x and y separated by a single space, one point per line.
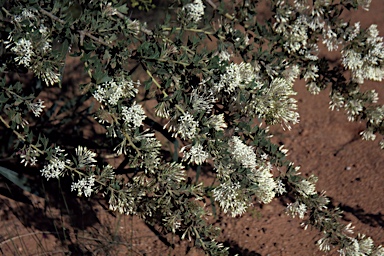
19 180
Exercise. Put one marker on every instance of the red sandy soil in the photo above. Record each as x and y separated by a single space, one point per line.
324 143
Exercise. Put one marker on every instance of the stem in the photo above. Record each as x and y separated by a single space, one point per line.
130 142
213 5
20 136
82 33
157 83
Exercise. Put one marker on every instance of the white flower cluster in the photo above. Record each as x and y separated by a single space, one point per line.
57 165
194 11
362 245
331 39
85 156
265 183
188 126
307 187
217 122
367 60
36 107
224 56
25 14
24 50
230 198
236 76
196 154
242 153
354 108
261 172
310 75
368 134
84 185
134 115
112 91
28 156
202 101
276 104
296 208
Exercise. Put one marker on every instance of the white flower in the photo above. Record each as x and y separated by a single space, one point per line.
195 155
230 198
368 134
311 73
36 107
217 122
276 104
202 101
194 11
134 115
57 164
24 51
280 187
111 92
296 209
84 185
242 153
187 126
313 88
337 101
224 56
307 187
354 108
330 39
85 156
54 169
28 156
324 244
236 76
266 185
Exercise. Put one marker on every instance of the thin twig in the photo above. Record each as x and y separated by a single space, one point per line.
81 32
213 5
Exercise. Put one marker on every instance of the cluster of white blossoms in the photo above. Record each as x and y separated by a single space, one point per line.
36 107
35 45
187 126
276 104
134 115
230 198
23 48
29 14
307 187
28 156
194 10
260 172
367 60
57 165
85 156
296 208
236 76
202 101
263 177
354 108
242 153
196 154
310 76
217 122
362 245
368 134
112 91
84 185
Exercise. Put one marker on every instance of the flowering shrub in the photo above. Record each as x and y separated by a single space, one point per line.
213 105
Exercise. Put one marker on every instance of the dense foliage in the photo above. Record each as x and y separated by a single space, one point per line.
195 108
